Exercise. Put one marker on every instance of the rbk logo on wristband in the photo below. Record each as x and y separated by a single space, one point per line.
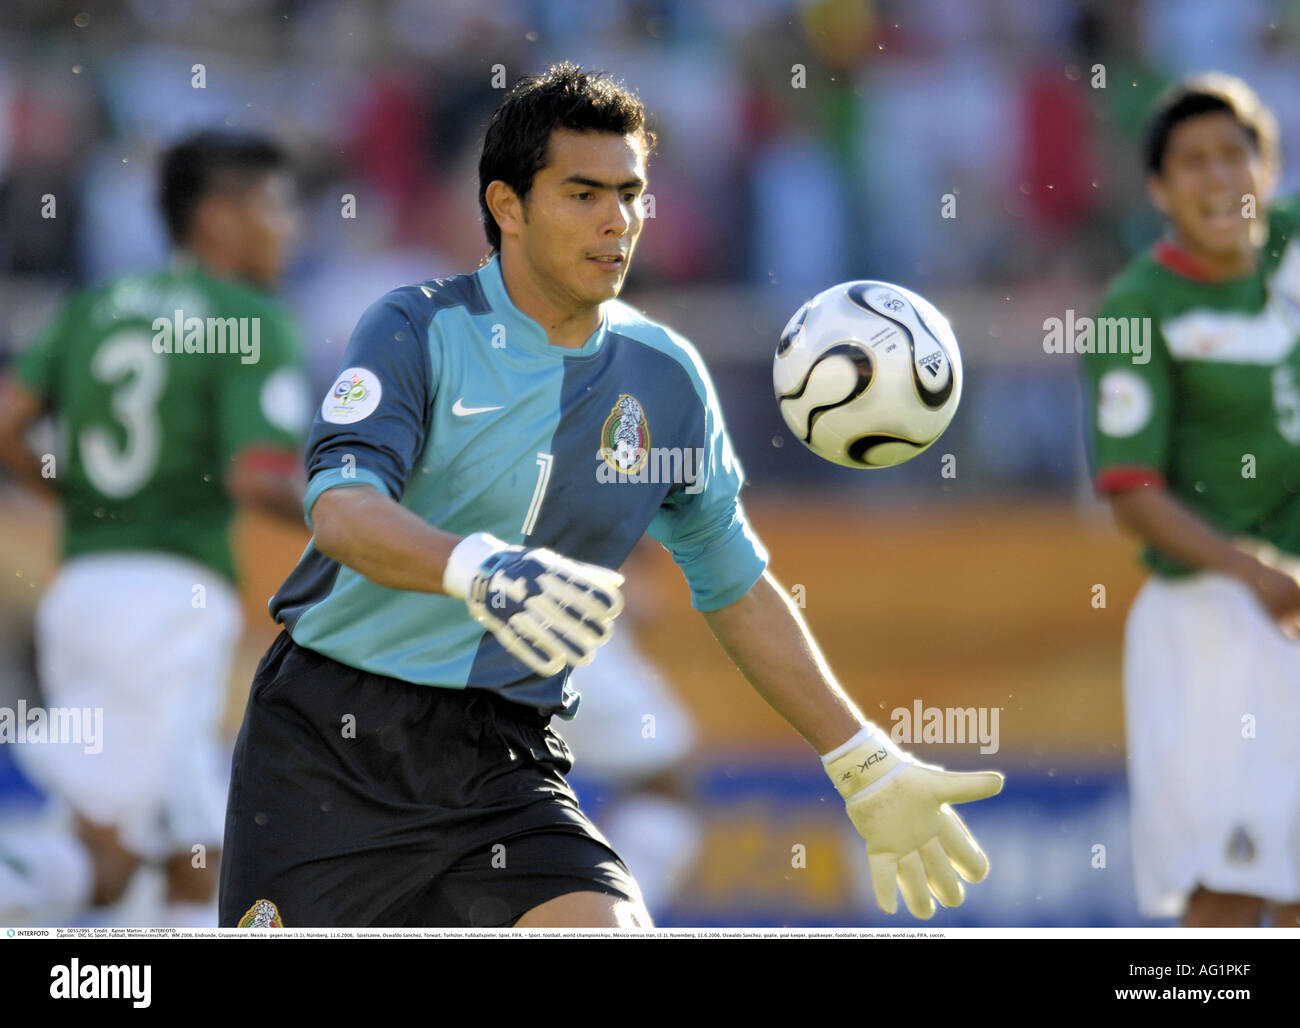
874 758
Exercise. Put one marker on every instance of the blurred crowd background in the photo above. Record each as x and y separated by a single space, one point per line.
983 152
802 143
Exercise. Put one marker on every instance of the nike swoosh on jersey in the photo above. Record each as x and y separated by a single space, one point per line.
460 410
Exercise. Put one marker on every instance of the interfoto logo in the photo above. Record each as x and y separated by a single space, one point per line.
1082 334
180 334
102 981
953 725
79 726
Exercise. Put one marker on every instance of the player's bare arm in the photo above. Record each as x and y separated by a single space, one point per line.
1164 522
269 481
379 538
915 843
19 409
767 639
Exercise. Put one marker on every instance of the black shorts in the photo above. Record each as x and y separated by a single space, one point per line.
358 800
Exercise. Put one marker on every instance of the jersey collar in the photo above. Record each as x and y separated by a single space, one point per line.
1180 262
526 333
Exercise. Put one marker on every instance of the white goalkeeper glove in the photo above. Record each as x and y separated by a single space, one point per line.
546 610
900 806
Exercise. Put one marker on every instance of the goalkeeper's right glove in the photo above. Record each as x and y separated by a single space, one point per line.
900 806
548 611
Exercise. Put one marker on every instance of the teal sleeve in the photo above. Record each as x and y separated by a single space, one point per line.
703 525
333 478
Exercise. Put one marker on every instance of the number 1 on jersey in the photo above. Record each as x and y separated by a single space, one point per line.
543 477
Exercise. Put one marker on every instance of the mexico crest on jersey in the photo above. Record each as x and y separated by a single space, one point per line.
625 437
262 914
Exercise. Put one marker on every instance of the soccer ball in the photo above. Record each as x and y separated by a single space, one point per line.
867 374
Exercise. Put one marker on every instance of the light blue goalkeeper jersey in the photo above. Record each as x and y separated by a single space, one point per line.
454 403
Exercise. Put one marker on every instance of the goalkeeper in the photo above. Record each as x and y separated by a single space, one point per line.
481 462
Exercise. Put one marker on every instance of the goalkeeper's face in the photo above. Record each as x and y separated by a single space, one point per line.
582 217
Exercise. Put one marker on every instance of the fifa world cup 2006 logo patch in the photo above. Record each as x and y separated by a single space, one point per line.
625 437
262 914
354 396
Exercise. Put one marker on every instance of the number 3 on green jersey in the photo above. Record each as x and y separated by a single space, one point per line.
134 376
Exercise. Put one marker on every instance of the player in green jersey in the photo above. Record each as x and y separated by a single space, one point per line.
1196 442
179 395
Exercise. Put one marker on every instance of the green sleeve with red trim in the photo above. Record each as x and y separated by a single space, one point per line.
263 402
1128 401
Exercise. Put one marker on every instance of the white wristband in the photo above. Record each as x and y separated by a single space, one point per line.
466 559
861 739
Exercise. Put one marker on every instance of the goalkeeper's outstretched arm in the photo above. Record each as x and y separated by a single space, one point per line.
914 840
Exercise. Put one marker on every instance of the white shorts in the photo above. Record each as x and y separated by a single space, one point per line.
629 725
1212 704
146 639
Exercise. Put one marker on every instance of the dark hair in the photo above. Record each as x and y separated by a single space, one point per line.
1208 94
211 161
519 132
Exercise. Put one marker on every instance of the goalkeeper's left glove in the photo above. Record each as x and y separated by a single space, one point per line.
900 806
